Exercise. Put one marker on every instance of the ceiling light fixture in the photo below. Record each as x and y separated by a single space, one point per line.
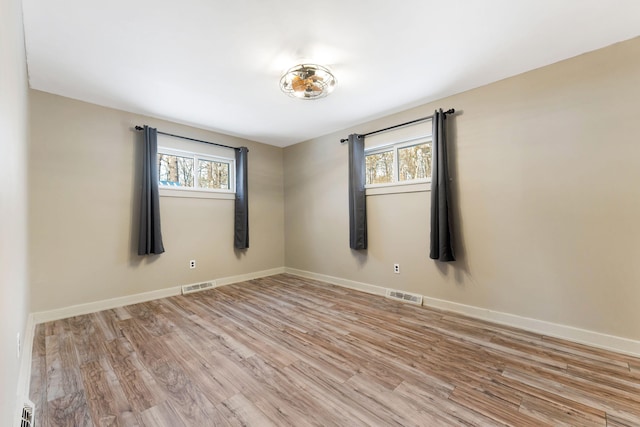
308 81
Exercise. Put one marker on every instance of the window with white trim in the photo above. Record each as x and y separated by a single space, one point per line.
187 170
403 162
399 157
195 170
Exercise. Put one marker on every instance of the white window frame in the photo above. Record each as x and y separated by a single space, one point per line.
195 191
397 186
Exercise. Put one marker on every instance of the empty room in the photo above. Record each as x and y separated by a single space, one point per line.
266 213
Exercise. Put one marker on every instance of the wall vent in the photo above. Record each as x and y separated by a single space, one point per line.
404 296
197 287
27 418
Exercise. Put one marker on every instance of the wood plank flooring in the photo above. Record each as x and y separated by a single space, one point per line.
287 351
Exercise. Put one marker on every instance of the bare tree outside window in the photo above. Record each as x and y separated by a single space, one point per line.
213 174
175 170
414 162
379 167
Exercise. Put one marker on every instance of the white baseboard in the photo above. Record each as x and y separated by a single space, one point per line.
345 283
249 276
92 307
24 374
569 333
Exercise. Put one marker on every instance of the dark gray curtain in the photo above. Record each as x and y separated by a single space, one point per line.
150 237
357 199
441 227
241 233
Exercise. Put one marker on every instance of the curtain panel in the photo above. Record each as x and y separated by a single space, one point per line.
441 226
150 235
241 217
357 199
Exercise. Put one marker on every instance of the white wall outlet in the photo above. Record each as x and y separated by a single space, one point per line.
192 264
18 347
396 268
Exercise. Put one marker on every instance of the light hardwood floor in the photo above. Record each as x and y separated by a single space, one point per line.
287 351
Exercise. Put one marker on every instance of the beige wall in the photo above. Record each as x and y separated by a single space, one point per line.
84 180
14 295
545 169
546 180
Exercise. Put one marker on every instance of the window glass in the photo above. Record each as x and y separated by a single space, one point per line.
175 170
379 167
213 174
414 162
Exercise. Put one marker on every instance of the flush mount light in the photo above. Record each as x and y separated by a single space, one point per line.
308 81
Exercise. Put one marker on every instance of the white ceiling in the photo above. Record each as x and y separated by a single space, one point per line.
216 64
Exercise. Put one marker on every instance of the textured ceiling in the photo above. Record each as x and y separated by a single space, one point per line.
216 64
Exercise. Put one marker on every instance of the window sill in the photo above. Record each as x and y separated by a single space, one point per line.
398 188
195 194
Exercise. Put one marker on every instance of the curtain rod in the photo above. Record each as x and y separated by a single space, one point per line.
449 111
190 139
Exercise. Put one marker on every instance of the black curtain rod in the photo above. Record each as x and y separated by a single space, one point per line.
422 119
190 139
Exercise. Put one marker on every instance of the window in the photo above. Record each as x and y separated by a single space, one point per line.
399 163
184 170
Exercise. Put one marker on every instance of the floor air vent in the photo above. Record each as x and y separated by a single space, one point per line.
197 287
27 419
404 296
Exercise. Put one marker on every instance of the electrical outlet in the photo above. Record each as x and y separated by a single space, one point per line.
396 268
18 340
192 264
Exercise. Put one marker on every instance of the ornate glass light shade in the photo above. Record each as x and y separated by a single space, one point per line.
308 81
